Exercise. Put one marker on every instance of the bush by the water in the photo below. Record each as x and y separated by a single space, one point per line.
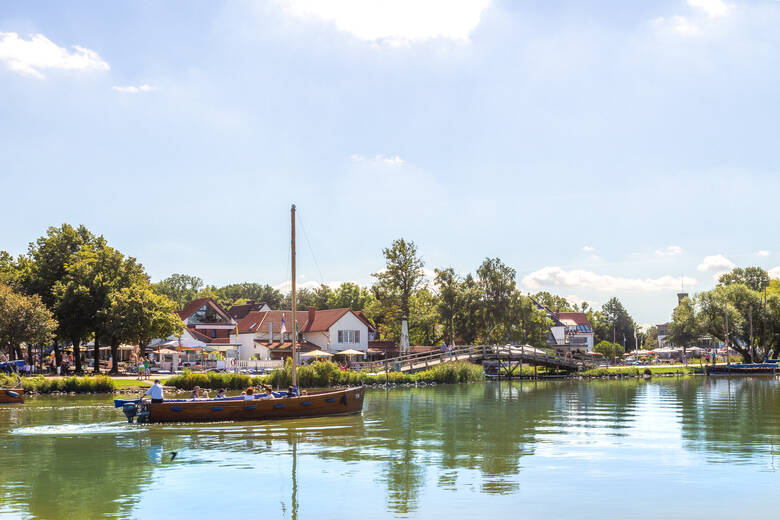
326 373
46 385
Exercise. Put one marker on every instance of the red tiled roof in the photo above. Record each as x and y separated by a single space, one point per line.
238 312
580 318
323 319
259 320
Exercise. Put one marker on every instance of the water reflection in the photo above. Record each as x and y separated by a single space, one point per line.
412 452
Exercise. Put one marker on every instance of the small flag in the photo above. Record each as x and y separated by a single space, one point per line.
284 329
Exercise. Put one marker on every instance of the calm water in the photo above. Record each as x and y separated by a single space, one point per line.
692 448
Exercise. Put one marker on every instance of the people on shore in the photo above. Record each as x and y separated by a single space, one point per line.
155 392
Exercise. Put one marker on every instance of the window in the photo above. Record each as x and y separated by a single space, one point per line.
213 333
349 336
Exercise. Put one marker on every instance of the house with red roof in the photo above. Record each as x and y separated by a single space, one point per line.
332 330
571 333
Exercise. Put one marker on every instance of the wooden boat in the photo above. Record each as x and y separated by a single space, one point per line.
742 369
282 406
337 402
11 396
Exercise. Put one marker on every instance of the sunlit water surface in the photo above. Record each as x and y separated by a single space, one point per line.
689 448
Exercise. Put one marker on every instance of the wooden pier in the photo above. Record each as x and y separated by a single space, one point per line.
508 358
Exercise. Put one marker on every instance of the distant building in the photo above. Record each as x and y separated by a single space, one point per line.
571 333
663 334
331 330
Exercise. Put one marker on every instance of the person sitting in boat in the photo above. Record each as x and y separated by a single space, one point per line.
205 394
195 393
221 394
291 391
249 395
155 392
269 392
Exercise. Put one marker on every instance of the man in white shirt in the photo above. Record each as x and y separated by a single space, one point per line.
155 392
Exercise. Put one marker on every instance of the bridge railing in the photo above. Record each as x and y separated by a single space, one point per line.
474 352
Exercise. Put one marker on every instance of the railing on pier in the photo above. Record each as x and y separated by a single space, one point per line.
474 353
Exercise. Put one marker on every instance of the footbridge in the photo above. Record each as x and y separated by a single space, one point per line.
505 356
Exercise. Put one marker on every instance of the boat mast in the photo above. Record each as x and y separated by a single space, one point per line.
292 296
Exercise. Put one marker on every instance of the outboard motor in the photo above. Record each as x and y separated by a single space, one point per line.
130 410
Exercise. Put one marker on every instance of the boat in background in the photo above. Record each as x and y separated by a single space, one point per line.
281 405
11 396
742 369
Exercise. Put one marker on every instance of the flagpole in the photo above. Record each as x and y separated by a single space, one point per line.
292 295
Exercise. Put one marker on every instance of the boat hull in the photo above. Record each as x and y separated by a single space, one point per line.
338 402
11 396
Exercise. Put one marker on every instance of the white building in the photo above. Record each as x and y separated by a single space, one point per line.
332 330
571 333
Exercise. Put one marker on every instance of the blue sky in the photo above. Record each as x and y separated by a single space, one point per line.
602 149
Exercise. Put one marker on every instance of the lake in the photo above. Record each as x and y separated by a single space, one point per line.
687 448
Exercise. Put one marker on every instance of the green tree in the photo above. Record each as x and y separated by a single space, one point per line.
620 322
89 280
349 295
137 314
230 294
530 324
716 312
497 282
684 329
469 316
46 263
402 276
754 278
553 302
449 286
650 340
180 288
422 325
23 319
609 349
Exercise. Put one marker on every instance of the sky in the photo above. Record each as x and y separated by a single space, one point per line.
603 148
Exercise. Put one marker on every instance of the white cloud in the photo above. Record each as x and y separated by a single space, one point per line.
557 276
30 57
763 252
669 251
588 249
377 159
134 90
713 8
396 21
775 272
715 263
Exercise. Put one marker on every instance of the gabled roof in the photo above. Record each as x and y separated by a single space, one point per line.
238 312
575 319
256 321
192 307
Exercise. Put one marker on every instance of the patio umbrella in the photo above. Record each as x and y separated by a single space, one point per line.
317 353
350 352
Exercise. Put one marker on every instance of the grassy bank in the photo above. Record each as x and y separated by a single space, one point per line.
325 373
640 371
79 385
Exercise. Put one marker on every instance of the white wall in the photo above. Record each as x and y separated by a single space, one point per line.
348 322
318 338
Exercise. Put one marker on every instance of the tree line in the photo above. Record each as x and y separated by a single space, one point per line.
72 287
742 310
484 306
